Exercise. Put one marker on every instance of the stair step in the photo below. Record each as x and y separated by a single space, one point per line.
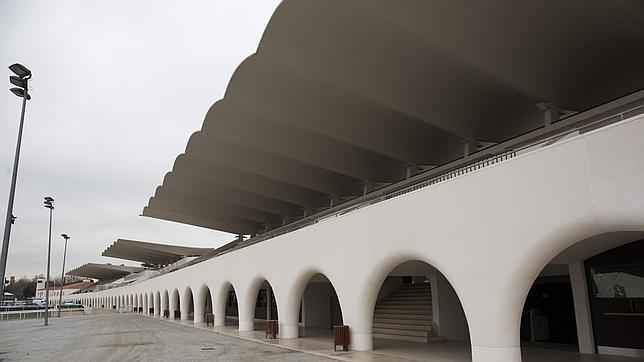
392 299
403 316
428 327
413 291
413 286
415 300
406 322
418 306
401 338
401 332
406 314
409 295
419 311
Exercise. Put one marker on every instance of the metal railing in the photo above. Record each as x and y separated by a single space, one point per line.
35 313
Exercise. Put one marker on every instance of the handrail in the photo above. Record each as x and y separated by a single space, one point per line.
582 122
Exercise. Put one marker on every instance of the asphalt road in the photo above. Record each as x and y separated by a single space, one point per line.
127 337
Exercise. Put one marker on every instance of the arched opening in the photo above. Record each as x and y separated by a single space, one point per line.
174 305
151 309
588 299
265 306
227 307
203 306
418 311
319 309
187 305
157 304
165 304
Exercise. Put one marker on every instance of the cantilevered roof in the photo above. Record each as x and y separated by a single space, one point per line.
343 94
104 271
151 253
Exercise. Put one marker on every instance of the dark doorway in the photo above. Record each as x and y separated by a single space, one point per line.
549 312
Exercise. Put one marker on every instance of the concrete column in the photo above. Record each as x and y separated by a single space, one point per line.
469 146
200 306
185 305
173 304
496 354
157 305
246 310
288 305
582 307
219 308
164 302
493 303
357 313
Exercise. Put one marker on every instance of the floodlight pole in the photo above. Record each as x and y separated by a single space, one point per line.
50 206
62 277
12 192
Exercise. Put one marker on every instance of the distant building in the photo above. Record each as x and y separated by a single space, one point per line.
54 291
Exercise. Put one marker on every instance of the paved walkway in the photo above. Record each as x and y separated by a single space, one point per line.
127 337
110 336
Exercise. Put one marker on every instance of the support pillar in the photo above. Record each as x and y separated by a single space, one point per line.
551 112
288 313
582 307
185 306
469 146
173 304
200 308
496 354
246 310
157 305
219 307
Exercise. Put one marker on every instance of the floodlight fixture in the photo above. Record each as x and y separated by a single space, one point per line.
49 203
20 70
15 80
20 92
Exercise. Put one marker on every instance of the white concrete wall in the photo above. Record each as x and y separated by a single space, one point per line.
490 233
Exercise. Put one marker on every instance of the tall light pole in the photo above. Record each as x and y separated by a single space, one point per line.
21 78
49 203
62 276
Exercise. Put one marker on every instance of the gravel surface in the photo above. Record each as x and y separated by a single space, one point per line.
127 337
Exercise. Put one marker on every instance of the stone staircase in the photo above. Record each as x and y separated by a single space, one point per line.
406 314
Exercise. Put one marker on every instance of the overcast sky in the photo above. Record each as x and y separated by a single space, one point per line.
118 87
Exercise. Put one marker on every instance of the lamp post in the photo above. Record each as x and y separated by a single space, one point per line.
21 78
49 203
62 276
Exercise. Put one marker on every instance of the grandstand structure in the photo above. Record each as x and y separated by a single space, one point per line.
420 172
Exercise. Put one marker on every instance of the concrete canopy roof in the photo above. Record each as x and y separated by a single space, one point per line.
151 253
103 271
342 94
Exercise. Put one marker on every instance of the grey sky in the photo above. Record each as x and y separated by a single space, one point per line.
118 88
